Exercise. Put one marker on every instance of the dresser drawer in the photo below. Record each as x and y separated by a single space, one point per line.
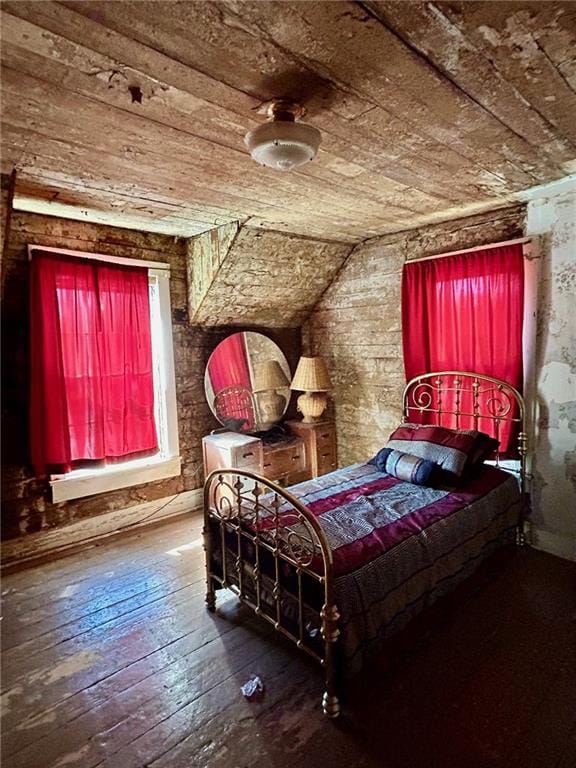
248 456
325 438
320 439
284 460
326 460
293 479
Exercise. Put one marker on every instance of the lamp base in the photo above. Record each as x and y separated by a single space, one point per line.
311 405
271 407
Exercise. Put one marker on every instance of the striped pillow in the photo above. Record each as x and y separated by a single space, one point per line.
449 448
405 467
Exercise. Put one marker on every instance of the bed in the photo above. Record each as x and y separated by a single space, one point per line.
340 563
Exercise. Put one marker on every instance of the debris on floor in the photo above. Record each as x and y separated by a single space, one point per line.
252 687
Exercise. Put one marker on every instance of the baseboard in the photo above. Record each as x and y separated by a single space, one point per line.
561 545
30 550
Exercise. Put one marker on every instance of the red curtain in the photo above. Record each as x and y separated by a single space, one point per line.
228 367
92 391
465 313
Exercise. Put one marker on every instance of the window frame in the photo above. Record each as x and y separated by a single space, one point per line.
167 462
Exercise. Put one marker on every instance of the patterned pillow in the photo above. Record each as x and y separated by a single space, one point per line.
448 448
457 451
405 467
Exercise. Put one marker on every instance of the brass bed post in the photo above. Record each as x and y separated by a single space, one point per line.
523 450
330 635
207 539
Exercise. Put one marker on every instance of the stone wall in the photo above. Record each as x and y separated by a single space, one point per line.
357 324
552 215
26 505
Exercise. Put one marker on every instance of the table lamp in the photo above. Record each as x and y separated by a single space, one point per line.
312 379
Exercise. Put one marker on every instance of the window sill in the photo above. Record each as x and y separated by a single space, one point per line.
112 479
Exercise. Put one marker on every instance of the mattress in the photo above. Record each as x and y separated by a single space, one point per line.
397 548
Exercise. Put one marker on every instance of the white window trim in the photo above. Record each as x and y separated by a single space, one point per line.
87 482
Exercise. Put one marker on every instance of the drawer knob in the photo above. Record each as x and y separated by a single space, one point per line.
295 457
247 455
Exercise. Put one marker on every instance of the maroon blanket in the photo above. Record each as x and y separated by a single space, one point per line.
397 547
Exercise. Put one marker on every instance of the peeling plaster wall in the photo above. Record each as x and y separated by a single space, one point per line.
554 486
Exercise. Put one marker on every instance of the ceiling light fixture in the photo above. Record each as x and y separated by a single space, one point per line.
282 143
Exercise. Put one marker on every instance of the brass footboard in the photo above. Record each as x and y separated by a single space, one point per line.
268 548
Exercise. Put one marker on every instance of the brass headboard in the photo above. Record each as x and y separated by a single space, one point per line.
464 400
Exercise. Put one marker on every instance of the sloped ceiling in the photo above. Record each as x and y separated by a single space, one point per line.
429 110
246 276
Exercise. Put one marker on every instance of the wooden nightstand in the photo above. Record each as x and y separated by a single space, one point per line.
320 440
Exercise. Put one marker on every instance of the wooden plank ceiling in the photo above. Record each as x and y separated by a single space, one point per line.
135 112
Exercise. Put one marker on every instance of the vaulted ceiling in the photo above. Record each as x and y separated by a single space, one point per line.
135 112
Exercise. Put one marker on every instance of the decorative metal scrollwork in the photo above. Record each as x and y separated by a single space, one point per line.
274 519
499 404
422 396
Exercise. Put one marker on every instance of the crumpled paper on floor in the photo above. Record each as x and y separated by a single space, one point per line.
252 687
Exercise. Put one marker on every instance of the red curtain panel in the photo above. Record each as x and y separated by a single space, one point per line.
228 368
92 391
465 313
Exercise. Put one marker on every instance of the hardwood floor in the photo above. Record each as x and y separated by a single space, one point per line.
110 659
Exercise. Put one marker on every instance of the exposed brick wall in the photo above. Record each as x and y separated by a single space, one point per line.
26 506
357 324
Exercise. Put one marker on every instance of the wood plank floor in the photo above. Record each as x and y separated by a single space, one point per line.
110 659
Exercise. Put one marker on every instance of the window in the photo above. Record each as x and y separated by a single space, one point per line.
103 409
465 312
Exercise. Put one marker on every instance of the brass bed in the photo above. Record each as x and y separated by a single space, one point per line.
265 545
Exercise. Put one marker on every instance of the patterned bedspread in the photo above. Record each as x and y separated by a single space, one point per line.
398 547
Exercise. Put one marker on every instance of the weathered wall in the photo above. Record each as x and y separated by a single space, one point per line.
357 324
554 488
262 277
26 507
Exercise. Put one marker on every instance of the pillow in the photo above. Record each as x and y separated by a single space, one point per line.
456 451
484 448
405 467
448 448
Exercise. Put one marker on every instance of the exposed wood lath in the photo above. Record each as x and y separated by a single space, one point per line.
428 110
257 277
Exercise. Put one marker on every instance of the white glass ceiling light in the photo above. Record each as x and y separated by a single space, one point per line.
282 143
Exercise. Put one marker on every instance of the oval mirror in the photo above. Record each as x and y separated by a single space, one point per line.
247 382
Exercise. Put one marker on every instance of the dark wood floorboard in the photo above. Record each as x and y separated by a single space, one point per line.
111 660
